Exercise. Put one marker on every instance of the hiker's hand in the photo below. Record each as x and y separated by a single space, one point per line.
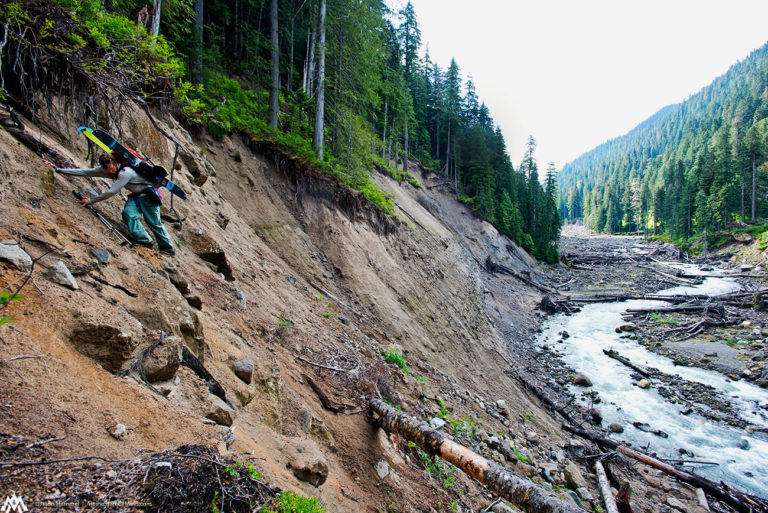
84 201
54 166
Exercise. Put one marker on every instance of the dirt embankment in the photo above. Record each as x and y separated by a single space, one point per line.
289 292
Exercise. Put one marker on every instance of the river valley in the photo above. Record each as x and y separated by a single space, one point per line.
678 412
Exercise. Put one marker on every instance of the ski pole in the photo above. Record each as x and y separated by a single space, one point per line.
120 237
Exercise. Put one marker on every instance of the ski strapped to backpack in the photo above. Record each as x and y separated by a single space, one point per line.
127 157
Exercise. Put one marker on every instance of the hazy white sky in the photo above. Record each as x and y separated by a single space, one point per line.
575 73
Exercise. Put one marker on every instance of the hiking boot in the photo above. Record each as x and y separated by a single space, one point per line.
167 252
146 244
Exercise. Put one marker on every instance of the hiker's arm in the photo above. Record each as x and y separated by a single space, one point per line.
94 171
122 180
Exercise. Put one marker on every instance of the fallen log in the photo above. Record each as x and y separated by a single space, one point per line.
674 279
605 489
741 502
494 267
521 492
549 403
616 356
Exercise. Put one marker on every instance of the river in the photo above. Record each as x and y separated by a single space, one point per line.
742 457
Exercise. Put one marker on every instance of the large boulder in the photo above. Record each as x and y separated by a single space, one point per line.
219 411
204 246
307 462
243 369
582 380
197 166
163 362
109 338
171 313
573 476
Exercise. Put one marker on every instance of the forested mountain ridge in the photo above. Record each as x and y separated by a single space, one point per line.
342 85
691 168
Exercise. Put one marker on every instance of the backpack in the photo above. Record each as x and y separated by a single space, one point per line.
128 157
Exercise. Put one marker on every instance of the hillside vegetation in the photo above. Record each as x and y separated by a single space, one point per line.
694 168
341 85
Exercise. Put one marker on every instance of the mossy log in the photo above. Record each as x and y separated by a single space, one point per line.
521 492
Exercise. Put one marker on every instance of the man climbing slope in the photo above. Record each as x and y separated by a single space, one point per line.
144 201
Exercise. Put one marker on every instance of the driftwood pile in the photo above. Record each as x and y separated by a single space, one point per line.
741 502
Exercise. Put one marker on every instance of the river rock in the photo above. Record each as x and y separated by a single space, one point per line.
584 494
597 416
58 273
582 380
676 504
616 428
12 252
573 476
644 383
549 472
500 507
436 423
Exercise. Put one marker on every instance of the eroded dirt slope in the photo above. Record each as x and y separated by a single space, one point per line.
300 287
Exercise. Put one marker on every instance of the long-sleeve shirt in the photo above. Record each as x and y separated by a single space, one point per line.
127 177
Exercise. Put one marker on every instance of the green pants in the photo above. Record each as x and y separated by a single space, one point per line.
132 215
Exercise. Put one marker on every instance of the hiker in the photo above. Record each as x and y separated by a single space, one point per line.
144 200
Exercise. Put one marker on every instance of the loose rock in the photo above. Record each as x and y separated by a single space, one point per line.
18 257
244 370
58 273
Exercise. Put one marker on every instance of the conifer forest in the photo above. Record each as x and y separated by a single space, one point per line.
347 86
688 173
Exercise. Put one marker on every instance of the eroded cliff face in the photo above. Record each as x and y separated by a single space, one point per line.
281 280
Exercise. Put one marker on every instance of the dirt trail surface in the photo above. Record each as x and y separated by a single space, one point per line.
286 294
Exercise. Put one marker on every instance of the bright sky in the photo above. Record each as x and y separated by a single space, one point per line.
575 73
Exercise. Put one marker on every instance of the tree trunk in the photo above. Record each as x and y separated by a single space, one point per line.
448 151
274 92
754 188
309 58
605 489
384 137
521 492
197 67
743 193
156 21
290 59
405 148
317 142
